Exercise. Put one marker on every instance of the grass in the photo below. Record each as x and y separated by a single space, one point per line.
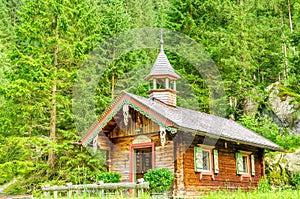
283 194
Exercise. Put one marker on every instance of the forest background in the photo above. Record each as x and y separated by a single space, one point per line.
43 43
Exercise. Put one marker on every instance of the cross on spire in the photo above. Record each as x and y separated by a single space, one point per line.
161 41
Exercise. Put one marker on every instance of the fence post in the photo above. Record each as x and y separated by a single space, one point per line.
46 192
69 184
140 191
55 194
101 192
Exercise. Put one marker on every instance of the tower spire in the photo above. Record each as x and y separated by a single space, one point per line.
162 78
161 41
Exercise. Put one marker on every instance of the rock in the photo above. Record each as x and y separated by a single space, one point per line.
281 167
3 187
284 111
293 161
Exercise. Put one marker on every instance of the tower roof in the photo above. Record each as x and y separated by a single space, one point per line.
162 66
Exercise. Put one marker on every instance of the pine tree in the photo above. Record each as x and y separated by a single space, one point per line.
52 40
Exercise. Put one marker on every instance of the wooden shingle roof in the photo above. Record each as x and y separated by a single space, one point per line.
208 124
178 118
162 68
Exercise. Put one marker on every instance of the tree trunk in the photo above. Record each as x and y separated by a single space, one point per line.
51 158
291 24
284 50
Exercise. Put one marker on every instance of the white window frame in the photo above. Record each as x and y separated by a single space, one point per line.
246 158
248 168
209 171
209 151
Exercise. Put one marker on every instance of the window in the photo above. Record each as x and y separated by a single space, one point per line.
243 160
245 164
205 158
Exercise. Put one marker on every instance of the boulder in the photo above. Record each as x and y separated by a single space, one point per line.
280 167
283 108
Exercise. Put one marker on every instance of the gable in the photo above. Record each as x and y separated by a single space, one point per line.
136 124
115 111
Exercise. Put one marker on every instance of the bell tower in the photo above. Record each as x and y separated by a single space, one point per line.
162 78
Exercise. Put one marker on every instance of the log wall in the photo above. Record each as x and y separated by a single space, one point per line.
120 155
227 177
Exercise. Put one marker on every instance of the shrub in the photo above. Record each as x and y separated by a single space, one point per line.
296 179
264 185
109 177
160 180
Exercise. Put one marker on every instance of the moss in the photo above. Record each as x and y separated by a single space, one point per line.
285 91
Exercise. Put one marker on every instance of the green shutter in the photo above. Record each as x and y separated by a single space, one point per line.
252 165
198 159
239 163
216 161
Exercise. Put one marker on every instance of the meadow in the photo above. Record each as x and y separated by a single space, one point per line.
280 194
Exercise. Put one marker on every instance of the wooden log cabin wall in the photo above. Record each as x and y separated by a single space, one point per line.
227 177
177 155
117 141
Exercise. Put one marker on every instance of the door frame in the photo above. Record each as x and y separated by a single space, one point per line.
131 157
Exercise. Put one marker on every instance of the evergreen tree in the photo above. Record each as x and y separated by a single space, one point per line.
52 40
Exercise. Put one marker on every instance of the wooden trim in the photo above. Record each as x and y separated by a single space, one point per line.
211 169
248 173
245 152
207 147
263 164
116 106
162 90
131 158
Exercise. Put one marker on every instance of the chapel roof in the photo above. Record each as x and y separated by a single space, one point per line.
212 125
186 120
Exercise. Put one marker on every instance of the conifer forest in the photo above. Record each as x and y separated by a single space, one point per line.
43 43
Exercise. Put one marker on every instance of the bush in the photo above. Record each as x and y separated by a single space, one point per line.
264 185
296 179
264 126
160 180
109 177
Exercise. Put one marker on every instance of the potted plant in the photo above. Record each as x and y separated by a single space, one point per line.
160 180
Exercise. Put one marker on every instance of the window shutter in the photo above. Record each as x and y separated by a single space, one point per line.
216 161
253 165
239 163
198 159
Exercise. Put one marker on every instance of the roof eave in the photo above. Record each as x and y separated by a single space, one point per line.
230 139
171 76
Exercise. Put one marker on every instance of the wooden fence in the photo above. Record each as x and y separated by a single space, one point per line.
99 188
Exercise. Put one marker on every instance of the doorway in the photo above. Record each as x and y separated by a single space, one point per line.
141 160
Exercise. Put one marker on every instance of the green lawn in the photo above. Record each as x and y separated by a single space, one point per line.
284 194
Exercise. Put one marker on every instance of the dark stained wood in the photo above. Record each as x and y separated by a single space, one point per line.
137 124
227 177
177 155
